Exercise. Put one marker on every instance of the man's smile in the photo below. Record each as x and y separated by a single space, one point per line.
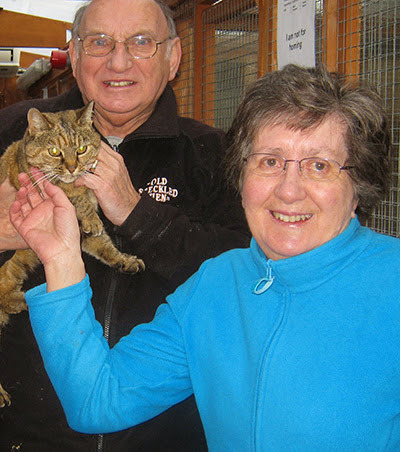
116 83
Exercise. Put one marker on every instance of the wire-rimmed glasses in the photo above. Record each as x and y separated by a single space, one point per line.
314 168
139 47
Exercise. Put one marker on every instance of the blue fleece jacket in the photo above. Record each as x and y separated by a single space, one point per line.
300 354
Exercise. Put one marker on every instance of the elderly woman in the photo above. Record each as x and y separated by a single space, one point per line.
290 345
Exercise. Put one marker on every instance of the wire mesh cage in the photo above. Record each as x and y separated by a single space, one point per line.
229 43
229 60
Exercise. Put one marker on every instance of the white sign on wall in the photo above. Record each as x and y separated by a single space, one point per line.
296 32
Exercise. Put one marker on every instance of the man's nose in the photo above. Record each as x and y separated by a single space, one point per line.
120 60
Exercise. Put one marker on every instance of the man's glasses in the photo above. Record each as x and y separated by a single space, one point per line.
139 47
314 168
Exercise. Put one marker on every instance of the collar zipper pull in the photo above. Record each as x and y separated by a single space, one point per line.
263 284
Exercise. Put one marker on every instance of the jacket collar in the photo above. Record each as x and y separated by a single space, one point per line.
72 97
305 271
163 122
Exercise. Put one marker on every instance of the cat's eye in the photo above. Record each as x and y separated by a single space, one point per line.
82 149
54 152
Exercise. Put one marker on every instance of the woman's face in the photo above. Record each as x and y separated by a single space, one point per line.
287 213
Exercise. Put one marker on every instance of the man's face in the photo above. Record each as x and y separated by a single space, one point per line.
124 88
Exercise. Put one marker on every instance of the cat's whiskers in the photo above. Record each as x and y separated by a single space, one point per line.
40 180
50 176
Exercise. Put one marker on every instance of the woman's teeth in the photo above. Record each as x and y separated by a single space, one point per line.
291 218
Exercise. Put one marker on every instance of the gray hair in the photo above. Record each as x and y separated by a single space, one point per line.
302 98
167 11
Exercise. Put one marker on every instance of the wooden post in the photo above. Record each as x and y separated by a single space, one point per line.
331 48
349 37
183 85
267 36
198 57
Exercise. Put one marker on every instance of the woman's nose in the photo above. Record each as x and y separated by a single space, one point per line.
291 184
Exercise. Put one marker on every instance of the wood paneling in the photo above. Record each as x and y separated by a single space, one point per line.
24 30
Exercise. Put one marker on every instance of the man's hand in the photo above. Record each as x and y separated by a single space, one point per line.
112 186
9 237
48 224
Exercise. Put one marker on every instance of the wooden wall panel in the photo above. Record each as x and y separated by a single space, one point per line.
24 30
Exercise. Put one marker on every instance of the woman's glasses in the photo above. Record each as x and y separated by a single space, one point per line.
314 168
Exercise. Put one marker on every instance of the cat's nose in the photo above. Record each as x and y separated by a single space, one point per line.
71 168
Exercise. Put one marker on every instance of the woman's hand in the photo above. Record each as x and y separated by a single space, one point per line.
112 185
48 224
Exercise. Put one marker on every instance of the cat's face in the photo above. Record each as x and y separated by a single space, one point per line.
62 145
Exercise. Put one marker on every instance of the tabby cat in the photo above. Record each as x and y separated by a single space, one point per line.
63 146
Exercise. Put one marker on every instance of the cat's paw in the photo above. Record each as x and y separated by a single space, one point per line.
131 264
92 226
5 398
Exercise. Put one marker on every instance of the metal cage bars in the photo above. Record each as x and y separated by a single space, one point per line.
229 43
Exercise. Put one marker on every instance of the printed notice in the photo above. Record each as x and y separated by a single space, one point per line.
296 32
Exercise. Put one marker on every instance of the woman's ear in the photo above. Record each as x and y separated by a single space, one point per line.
353 213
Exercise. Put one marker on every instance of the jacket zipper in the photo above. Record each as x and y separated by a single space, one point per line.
262 286
107 321
106 329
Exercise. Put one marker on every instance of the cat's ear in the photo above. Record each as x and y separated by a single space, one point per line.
86 115
37 122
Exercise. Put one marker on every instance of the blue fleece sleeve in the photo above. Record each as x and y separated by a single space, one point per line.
102 389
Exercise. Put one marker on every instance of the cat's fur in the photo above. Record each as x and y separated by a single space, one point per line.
63 146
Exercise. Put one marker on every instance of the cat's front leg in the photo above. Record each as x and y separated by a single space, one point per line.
86 211
12 275
5 398
103 249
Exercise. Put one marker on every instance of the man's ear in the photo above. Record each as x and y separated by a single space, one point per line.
72 51
175 55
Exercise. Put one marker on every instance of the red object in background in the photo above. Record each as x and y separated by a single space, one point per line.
59 59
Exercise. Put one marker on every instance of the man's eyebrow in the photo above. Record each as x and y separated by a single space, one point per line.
149 33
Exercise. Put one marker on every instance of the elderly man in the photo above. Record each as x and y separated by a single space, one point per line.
158 183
